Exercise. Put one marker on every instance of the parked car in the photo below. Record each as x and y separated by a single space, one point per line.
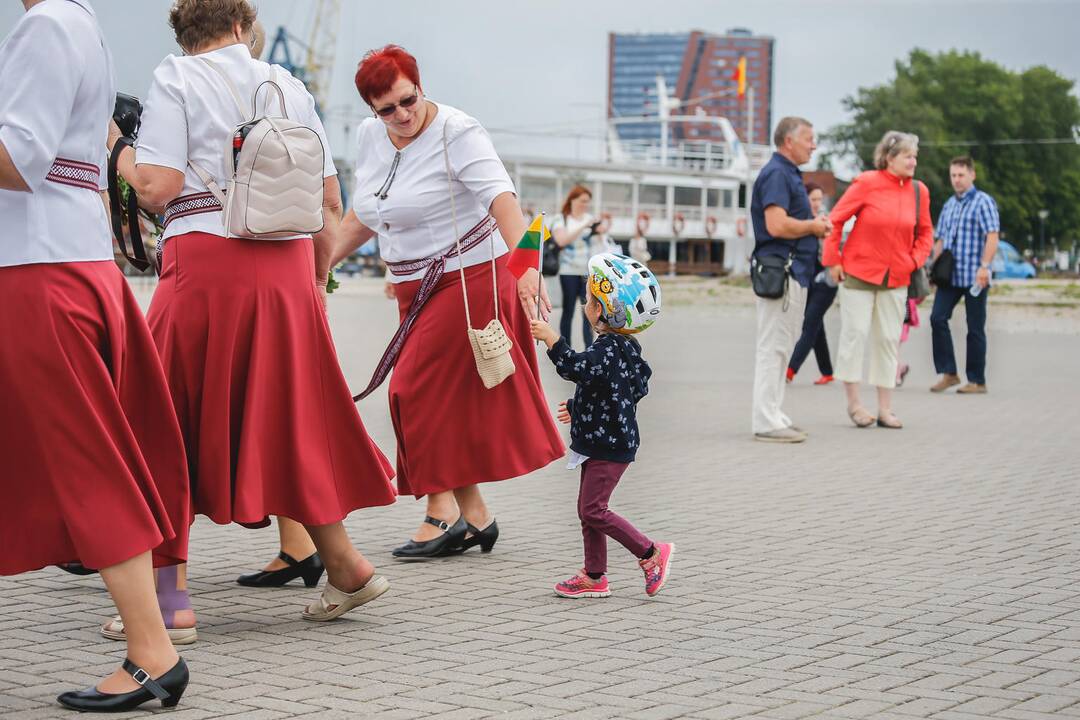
1009 263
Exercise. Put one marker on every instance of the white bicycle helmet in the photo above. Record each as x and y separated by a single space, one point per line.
628 291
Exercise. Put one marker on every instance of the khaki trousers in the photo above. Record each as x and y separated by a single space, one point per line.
877 315
777 331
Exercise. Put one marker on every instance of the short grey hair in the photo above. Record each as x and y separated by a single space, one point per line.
787 127
892 144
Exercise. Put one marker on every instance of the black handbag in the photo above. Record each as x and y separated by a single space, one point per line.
549 261
919 285
769 275
942 270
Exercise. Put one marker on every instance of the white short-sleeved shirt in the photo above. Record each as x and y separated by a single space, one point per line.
414 220
56 97
190 115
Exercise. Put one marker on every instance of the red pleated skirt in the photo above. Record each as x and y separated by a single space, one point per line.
91 460
268 420
451 430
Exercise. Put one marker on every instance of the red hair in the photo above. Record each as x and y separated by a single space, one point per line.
380 69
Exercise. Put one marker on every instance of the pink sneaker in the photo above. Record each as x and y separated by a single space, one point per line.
656 567
581 585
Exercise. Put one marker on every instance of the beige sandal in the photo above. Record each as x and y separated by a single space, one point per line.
334 603
861 417
114 630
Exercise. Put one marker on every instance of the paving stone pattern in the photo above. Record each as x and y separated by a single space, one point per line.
927 573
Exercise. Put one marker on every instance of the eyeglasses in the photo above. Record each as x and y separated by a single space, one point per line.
405 102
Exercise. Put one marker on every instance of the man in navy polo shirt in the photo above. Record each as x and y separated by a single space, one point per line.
783 225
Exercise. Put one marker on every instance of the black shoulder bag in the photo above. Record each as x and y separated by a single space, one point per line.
919 285
942 270
552 251
770 275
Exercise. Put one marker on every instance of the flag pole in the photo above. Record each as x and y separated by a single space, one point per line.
540 265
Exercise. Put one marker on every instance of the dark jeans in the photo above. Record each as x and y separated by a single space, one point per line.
598 523
573 294
945 299
819 298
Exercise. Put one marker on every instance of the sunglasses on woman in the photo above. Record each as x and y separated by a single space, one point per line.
405 102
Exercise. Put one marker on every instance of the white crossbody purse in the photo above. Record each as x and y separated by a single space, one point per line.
490 344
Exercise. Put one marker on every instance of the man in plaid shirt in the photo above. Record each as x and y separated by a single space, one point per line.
968 226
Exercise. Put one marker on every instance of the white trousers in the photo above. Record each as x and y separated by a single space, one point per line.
877 315
777 332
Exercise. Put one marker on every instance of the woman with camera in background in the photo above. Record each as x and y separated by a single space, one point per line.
575 230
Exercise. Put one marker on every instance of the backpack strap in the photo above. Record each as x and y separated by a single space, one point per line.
233 91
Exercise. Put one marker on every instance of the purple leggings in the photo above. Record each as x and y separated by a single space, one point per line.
598 523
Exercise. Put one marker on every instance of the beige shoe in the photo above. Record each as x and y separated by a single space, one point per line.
114 630
972 389
334 603
946 382
861 417
783 435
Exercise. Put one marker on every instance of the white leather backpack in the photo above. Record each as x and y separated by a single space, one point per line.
275 186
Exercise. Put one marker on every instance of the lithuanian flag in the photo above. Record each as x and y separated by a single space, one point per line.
527 253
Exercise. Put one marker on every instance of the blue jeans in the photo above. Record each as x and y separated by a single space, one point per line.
819 299
573 294
945 299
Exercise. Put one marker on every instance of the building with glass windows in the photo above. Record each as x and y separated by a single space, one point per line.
696 66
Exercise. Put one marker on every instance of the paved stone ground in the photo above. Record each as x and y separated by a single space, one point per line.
931 572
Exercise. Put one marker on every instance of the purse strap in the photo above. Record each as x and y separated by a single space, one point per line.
457 236
918 204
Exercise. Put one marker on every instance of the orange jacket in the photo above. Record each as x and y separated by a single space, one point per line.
883 239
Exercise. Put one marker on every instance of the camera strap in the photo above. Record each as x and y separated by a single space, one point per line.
137 255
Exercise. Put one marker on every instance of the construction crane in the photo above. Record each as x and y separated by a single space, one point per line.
320 50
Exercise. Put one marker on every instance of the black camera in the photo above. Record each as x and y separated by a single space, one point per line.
127 114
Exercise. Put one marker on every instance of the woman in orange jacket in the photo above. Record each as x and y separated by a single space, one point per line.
891 238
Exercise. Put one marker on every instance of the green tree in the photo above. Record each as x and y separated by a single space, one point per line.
959 103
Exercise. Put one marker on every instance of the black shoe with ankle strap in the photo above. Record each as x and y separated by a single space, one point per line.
452 537
484 538
310 568
168 688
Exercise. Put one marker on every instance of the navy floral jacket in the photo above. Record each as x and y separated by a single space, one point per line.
611 377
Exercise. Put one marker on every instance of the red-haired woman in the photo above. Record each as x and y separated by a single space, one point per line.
267 418
452 432
573 230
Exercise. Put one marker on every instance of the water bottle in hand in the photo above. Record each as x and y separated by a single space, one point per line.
825 277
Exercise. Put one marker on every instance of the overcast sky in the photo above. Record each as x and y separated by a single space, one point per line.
521 65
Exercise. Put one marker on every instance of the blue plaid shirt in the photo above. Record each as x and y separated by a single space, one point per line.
962 227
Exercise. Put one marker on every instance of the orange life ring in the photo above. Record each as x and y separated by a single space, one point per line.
740 227
678 223
710 226
642 222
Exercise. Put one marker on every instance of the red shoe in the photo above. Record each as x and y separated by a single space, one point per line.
790 374
824 380
581 585
656 567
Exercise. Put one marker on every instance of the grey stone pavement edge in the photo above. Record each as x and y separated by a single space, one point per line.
932 572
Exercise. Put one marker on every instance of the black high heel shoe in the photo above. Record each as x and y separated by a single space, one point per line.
484 538
77 569
310 569
168 688
452 537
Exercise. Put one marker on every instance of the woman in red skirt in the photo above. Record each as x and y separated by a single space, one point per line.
266 415
424 169
93 462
